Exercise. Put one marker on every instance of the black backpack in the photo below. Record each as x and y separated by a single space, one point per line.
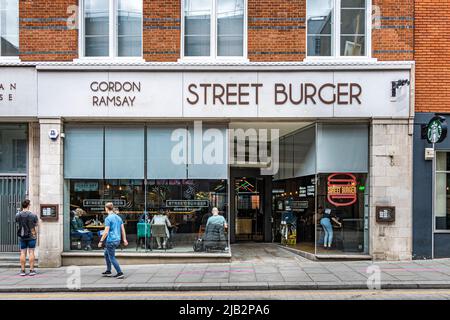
25 225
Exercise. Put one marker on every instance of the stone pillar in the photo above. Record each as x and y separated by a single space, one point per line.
391 185
51 192
33 166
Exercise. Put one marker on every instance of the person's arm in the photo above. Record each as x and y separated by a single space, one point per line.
337 221
225 224
36 224
124 235
168 222
104 235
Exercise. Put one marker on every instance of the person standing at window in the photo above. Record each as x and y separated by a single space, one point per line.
327 226
114 233
27 233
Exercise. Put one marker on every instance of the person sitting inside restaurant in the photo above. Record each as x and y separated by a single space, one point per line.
158 220
215 231
78 231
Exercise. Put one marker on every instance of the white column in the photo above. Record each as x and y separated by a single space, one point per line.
51 192
391 185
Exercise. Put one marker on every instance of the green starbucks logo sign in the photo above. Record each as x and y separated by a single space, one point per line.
437 130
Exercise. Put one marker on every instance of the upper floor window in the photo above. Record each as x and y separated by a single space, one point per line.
112 28
214 28
347 37
9 28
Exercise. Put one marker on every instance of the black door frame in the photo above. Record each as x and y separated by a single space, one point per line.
266 201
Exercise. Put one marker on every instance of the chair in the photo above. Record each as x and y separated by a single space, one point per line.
143 232
159 231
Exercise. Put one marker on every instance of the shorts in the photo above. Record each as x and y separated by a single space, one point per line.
27 244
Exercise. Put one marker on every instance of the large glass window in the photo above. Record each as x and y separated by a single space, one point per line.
214 28
112 28
139 169
347 37
9 28
442 194
13 148
187 205
342 214
321 197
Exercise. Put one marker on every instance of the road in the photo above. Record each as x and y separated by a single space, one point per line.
240 295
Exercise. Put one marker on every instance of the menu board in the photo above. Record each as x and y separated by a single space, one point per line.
49 212
385 214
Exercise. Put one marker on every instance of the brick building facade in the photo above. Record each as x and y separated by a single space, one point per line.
338 97
432 58
276 30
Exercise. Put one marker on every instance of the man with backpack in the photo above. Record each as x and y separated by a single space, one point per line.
27 222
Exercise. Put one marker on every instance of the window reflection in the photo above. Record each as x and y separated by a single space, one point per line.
182 207
320 20
9 27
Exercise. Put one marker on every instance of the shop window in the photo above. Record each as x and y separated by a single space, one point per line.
442 193
344 196
9 28
112 28
134 167
13 149
187 204
338 28
214 28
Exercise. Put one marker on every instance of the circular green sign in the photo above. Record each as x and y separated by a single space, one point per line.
437 130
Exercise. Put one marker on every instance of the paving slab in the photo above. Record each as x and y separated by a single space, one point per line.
254 267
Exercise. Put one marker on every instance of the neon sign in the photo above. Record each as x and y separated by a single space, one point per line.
341 190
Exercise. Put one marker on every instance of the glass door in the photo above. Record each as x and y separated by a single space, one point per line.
249 225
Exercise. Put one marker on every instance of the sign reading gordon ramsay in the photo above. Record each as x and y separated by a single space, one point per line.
341 189
218 94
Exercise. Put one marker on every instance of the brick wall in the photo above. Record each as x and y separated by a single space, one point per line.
432 55
44 34
276 30
393 30
162 30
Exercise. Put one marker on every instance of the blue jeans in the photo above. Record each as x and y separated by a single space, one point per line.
110 256
328 229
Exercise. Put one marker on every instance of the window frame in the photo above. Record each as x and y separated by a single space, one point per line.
17 57
213 57
113 36
435 172
336 36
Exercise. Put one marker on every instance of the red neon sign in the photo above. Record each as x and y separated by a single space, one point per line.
341 190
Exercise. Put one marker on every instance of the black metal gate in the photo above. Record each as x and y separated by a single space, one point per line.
12 192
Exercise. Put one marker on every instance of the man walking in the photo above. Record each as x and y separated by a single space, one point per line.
114 232
27 233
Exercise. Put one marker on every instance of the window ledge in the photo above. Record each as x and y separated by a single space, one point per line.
212 61
340 60
84 60
9 59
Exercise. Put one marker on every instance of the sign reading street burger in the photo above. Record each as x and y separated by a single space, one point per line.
341 189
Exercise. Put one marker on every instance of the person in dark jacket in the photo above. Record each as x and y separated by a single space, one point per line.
215 230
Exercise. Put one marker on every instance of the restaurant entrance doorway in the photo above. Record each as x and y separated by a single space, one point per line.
250 206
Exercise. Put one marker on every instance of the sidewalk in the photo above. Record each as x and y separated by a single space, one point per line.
254 267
